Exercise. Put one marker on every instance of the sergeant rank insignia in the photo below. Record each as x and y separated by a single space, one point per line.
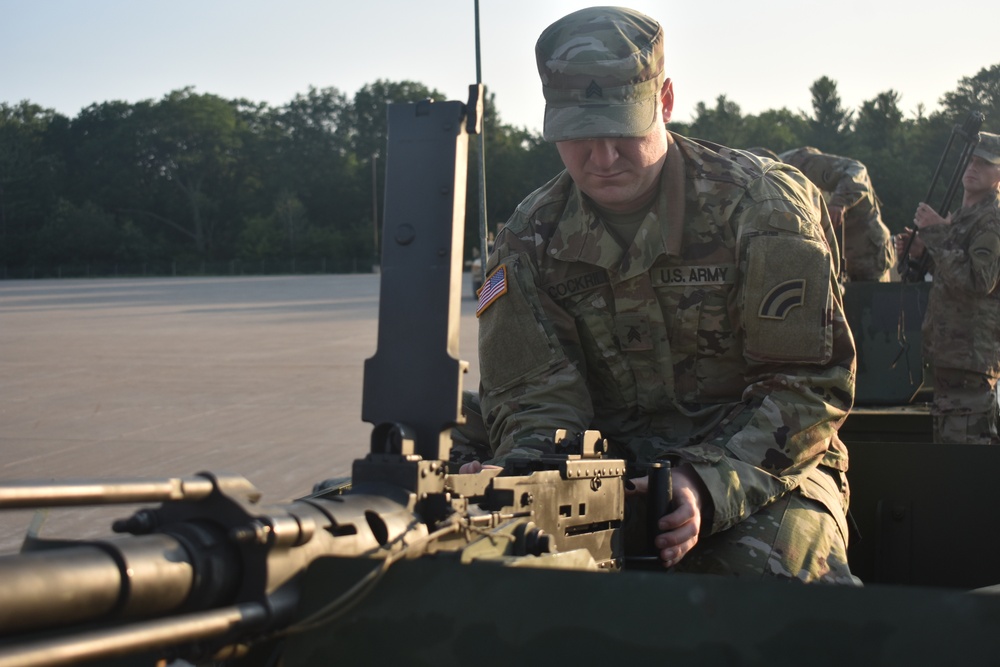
494 288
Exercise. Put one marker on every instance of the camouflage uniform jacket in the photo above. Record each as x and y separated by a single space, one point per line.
867 242
718 336
962 327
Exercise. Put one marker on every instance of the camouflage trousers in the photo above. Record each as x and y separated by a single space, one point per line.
794 539
797 538
964 408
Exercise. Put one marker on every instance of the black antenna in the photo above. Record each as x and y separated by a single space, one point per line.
483 224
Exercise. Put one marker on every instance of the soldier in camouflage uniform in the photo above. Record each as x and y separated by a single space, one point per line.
961 330
681 298
869 252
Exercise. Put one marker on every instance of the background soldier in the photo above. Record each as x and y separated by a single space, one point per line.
961 330
680 297
869 253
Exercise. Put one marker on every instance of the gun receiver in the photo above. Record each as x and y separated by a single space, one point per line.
209 574
913 270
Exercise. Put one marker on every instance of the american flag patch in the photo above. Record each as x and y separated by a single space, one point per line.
494 288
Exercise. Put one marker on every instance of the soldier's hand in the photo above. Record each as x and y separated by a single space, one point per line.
474 467
927 216
917 246
682 525
836 215
900 240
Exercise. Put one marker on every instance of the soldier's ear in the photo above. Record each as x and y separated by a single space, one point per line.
667 99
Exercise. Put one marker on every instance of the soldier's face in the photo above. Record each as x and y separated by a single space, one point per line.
620 173
981 176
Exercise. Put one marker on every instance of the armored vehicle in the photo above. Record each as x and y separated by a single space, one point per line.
408 562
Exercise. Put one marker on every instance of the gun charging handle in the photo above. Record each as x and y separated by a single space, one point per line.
659 495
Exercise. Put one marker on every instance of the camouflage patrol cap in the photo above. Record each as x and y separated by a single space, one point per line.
764 152
601 71
988 147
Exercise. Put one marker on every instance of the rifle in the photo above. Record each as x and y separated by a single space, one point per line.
913 270
210 575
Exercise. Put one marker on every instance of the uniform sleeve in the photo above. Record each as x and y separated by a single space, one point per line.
845 179
974 269
529 385
800 360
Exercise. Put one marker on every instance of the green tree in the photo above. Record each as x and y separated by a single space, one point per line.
78 235
30 171
830 121
368 109
976 93
105 155
313 148
879 122
722 124
192 141
293 221
206 177
517 162
368 129
315 163
778 130
879 141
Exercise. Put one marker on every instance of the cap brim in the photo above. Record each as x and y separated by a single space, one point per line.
986 155
593 121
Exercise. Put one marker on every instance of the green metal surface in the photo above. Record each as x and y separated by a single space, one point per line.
901 423
885 319
926 513
433 612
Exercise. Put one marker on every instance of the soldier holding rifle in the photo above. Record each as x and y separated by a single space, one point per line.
961 330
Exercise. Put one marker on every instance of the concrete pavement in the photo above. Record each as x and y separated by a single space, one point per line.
165 377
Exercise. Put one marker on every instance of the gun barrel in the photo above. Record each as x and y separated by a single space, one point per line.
28 494
136 638
138 576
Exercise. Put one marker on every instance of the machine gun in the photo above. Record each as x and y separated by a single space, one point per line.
408 563
211 575
913 270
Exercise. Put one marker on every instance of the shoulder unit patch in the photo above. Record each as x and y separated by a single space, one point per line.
777 303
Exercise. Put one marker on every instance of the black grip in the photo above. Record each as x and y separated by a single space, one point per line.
658 498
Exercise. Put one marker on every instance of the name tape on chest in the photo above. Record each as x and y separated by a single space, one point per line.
577 284
679 276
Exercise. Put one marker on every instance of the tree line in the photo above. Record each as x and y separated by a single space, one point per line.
214 185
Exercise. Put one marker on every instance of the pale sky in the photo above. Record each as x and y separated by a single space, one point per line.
68 54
